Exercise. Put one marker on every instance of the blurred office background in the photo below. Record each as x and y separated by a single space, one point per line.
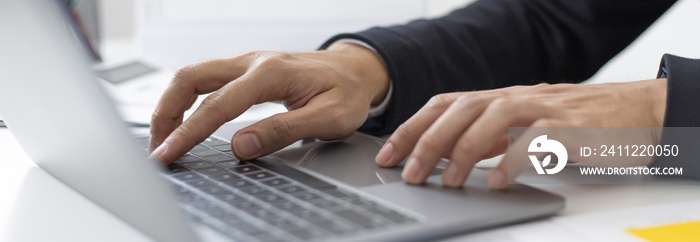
177 32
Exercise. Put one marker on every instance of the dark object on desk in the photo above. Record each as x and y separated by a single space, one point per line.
2 124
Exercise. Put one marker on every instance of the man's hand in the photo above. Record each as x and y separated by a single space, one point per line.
467 127
328 94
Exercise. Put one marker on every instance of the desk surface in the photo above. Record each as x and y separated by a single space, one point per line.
36 206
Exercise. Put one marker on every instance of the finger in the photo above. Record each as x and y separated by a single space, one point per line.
511 166
499 148
218 108
402 141
319 118
485 133
187 83
442 136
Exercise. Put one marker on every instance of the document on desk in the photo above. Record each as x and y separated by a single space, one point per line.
657 223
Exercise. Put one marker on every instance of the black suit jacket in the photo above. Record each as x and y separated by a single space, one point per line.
498 43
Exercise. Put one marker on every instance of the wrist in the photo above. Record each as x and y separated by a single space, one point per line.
367 66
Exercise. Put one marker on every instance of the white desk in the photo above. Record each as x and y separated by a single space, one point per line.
35 206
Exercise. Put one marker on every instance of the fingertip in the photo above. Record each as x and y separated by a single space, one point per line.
498 180
451 176
160 152
385 154
411 173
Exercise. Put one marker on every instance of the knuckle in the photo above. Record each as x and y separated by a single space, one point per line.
502 105
465 147
273 59
253 54
283 128
184 73
402 132
214 106
469 100
429 142
437 101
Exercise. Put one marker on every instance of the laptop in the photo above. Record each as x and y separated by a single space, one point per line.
320 191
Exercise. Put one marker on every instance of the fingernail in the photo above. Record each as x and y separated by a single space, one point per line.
450 175
410 173
385 153
247 145
497 180
158 153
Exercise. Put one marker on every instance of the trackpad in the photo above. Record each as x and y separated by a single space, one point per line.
349 160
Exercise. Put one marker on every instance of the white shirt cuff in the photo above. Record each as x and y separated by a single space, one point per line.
374 111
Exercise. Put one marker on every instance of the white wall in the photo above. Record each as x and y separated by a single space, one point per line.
118 15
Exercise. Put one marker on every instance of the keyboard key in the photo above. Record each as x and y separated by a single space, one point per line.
211 189
276 182
199 182
225 176
217 212
246 205
245 169
212 171
254 189
199 165
187 198
306 214
227 196
291 189
231 164
204 152
260 175
187 159
306 196
275 219
237 183
233 220
203 204
186 176
175 168
222 148
199 147
269 197
287 206
218 158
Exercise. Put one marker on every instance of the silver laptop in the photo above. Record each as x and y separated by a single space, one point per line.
321 191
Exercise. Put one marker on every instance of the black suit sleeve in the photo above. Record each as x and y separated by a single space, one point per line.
682 111
497 43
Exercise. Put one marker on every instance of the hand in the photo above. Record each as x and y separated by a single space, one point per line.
467 127
328 94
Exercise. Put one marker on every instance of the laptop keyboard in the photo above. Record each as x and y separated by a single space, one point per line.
265 200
